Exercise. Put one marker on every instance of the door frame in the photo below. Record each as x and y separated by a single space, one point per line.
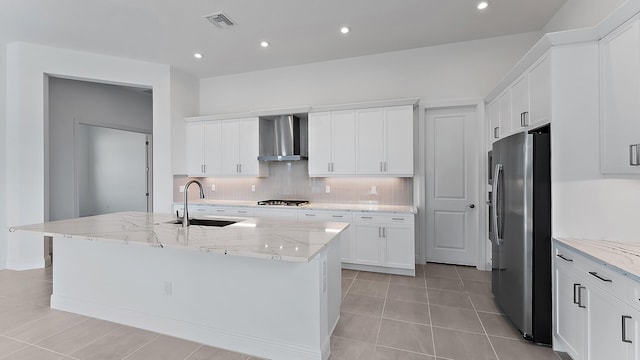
483 253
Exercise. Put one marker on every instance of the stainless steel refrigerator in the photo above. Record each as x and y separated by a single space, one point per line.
521 232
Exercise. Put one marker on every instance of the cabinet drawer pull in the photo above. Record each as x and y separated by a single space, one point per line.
634 154
220 210
624 329
337 216
564 258
575 297
580 297
242 211
379 232
366 217
309 214
398 219
524 119
496 133
600 277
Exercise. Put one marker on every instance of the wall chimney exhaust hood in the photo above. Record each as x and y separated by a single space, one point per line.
283 137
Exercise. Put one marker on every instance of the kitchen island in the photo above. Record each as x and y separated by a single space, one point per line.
270 288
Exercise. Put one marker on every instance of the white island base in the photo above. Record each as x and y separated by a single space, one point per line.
270 309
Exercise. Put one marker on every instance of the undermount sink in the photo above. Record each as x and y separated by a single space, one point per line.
205 222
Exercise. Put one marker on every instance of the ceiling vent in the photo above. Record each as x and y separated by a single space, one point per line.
221 20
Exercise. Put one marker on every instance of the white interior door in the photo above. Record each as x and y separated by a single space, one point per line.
451 194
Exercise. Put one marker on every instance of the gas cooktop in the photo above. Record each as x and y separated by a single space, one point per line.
284 202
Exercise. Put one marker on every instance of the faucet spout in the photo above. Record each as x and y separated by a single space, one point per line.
185 211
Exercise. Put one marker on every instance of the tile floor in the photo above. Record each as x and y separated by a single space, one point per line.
445 312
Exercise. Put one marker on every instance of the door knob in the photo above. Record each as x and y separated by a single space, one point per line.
472 206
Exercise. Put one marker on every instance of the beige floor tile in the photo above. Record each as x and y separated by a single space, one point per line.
499 325
346 284
461 345
115 345
212 353
72 339
357 327
165 348
406 336
522 350
485 303
455 318
7 346
407 293
347 349
471 273
363 304
371 276
14 316
415 281
34 353
444 283
477 287
459 299
370 288
47 326
349 274
385 353
406 311
441 270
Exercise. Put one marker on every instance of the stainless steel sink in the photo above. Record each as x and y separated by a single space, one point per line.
205 222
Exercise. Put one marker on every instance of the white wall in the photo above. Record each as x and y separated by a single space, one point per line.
3 151
184 103
72 101
27 65
575 14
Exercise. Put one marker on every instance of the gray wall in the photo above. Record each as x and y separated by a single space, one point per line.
3 153
72 101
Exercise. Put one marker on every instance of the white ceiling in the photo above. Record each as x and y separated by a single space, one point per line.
300 31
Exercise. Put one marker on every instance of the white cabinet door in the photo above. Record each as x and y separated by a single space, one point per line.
620 100
212 148
195 148
249 142
399 140
370 141
230 130
604 327
505 114
519 103
569 317
343 144
540 93
367 245
320 143
494 121
399 245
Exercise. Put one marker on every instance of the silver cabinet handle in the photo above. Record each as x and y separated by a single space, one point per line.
624 329
380 166
309 214
524 119
366 217
384 232
385 166
398 219
575 297
240 168
634 154
600 276
580 297
332 167
337 216
220 210
496 132
564 257
379 232
242 211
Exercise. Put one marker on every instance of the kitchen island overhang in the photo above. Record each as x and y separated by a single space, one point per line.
270 288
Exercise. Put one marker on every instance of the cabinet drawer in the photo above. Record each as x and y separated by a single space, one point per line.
365 218
603 277
313 215
291 214
565 258
232 211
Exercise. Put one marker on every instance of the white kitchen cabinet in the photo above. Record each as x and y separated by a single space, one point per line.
346 238
385 141
620 100
539 93
386 241
519 103
493 110
203 148
240 148
276 213
593 319
332 148
504 126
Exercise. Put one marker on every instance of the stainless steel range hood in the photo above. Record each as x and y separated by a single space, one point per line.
283 138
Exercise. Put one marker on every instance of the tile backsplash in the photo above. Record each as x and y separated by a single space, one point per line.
290 180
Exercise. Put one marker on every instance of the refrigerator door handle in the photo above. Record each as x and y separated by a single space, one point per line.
494 201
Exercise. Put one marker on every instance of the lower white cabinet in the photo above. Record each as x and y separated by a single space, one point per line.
276 213
593 319
384 240
346 238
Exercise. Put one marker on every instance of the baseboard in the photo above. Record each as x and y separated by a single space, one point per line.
379 269
191 331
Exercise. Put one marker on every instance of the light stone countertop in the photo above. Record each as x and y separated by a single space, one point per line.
274 239
623 256
406 209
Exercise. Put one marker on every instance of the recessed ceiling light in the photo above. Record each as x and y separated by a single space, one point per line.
482 5
264 44
197 56
345 29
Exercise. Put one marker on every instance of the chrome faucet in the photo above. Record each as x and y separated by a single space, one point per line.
185 211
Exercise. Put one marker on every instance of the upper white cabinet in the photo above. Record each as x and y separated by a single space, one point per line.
385 141
224 147
493 115
620 100
332 149
203 148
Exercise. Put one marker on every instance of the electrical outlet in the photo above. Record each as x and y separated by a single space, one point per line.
168 288
181 188
374 190
213 188
253 188
327 189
